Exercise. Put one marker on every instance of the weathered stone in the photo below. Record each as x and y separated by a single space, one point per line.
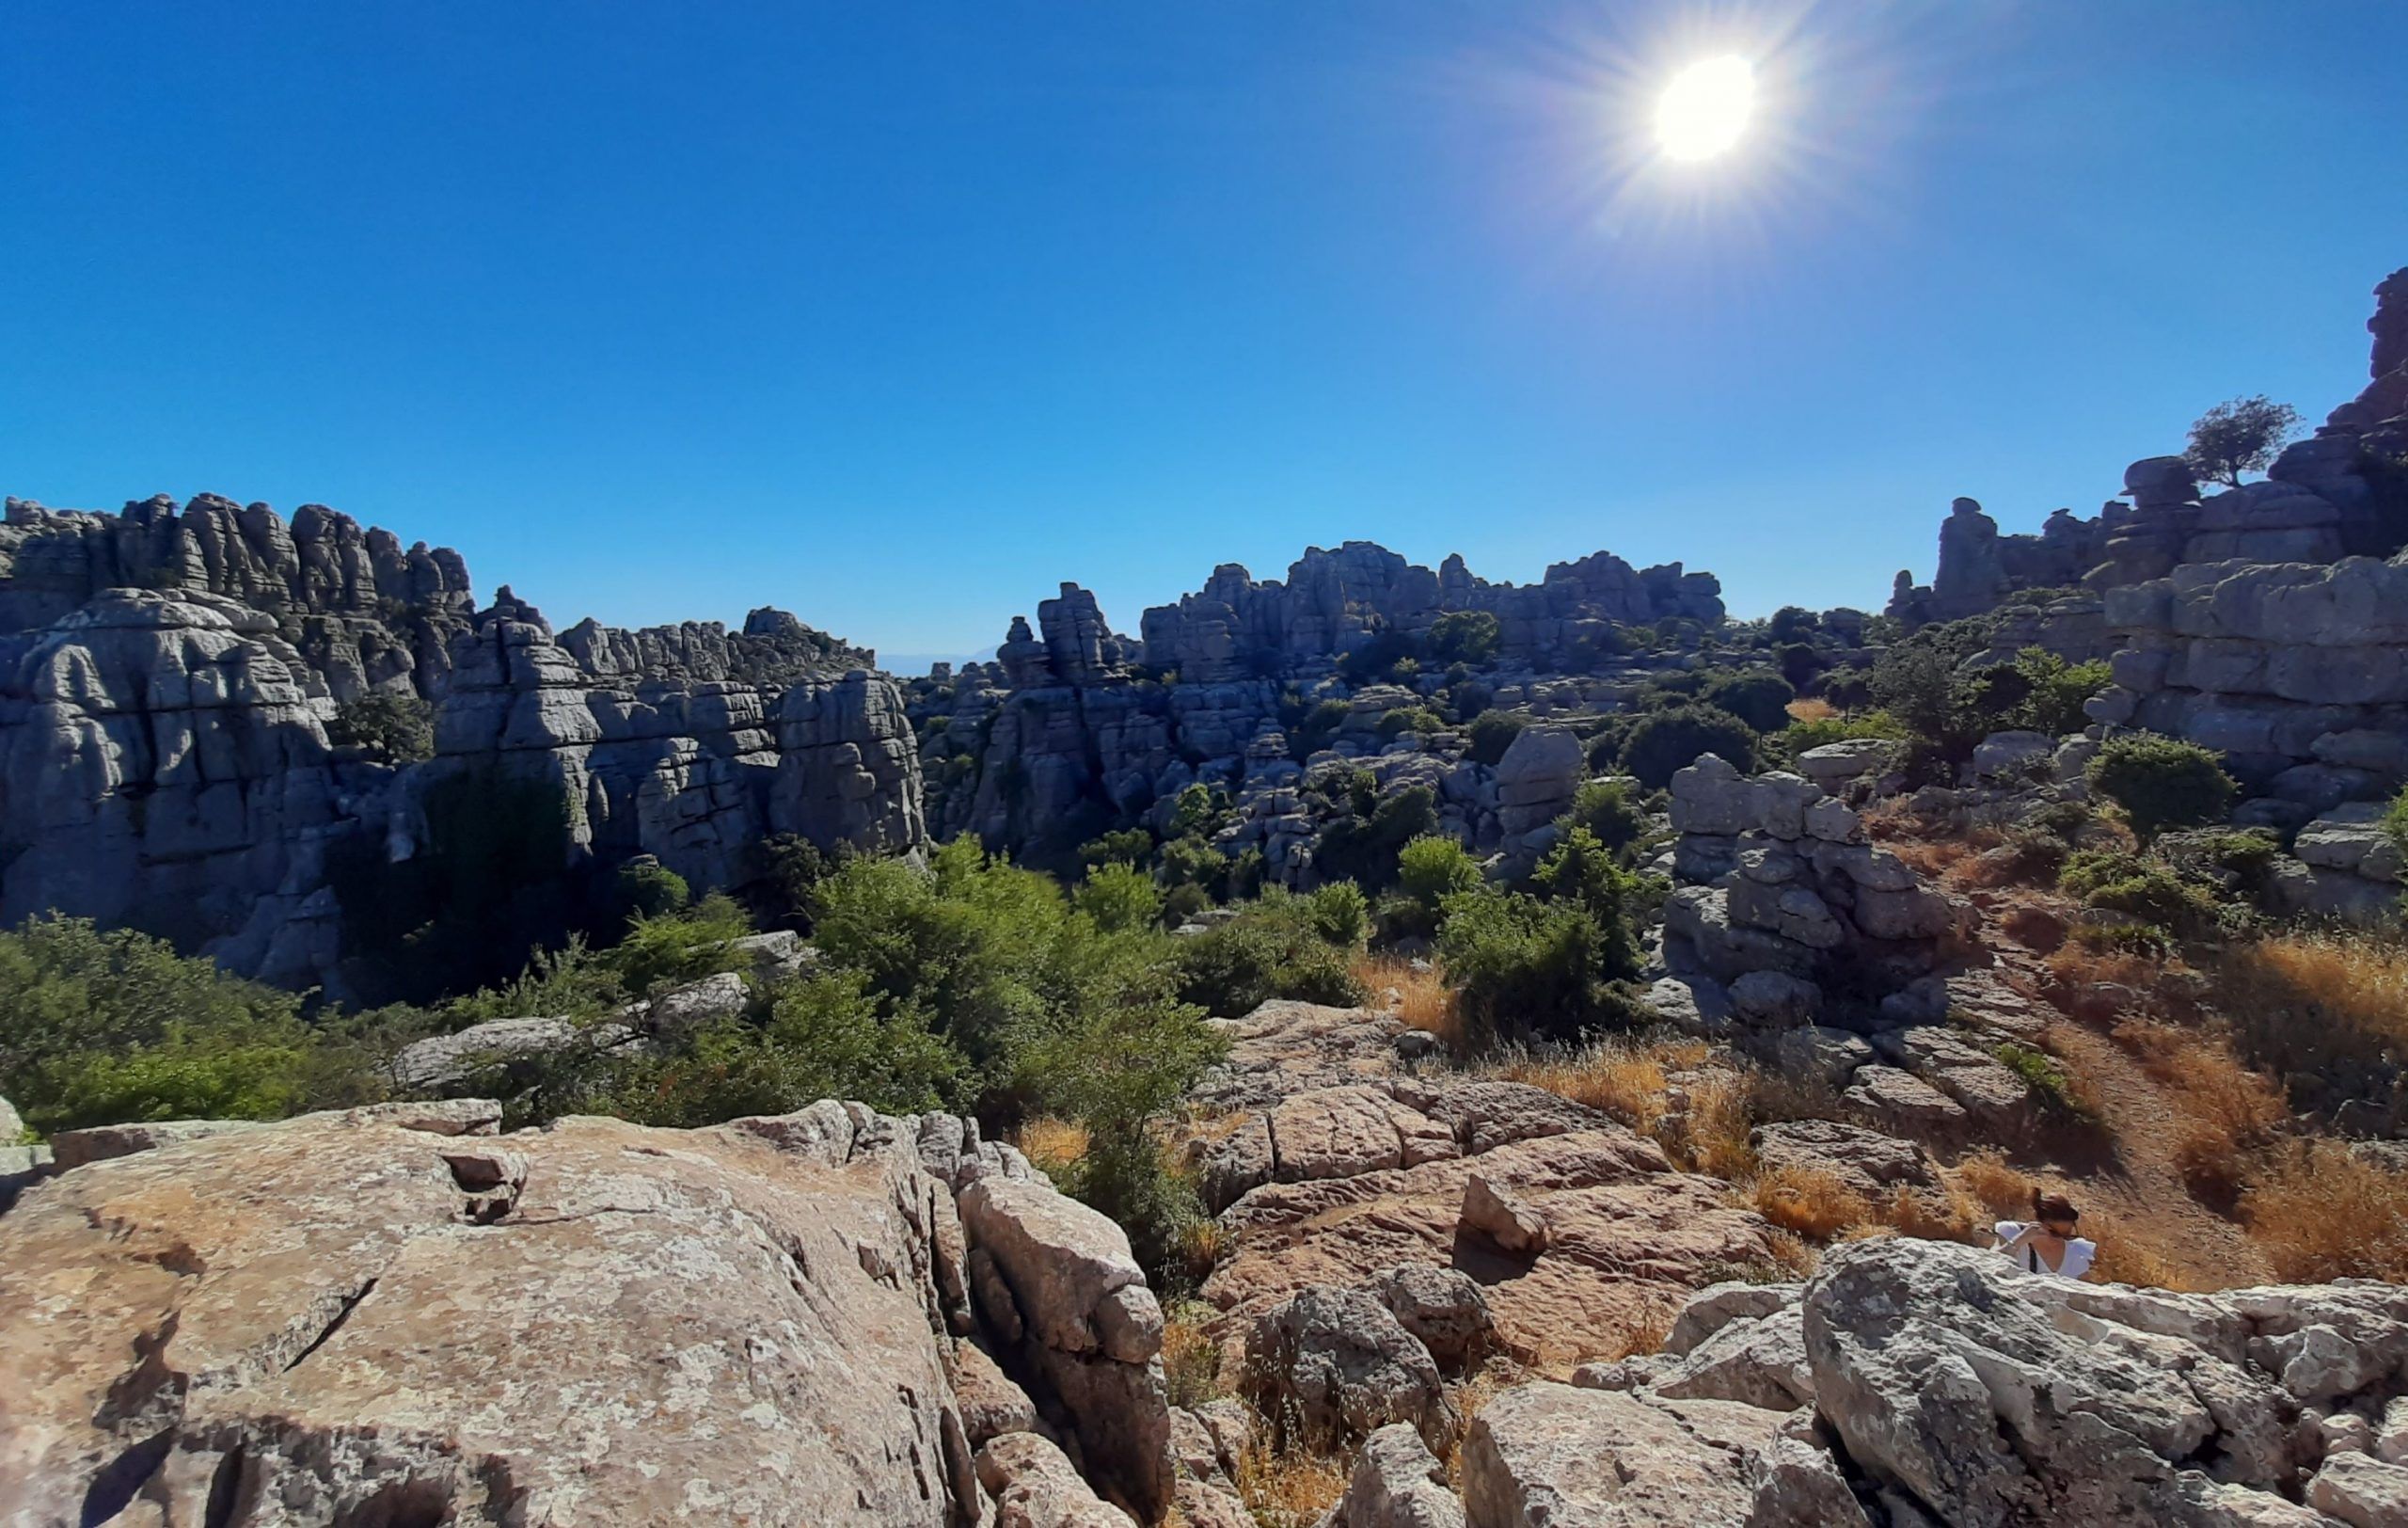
1335 1366
1443 1308
1035 1487
1397 1483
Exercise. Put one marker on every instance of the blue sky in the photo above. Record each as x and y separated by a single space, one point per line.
898 314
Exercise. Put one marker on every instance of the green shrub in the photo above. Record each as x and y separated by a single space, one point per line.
1120 898
106 1027
1129 845
2395 823
394 728
1433 867
1669 740
678 947
2146 890
1610 810
1396 724
1493 732
1362 846
1313 731
649 890
1756 696
1464 636
2162 783
1521 964
1340 911
2053 693
2043 1074
1270 950
1579 869
1797 737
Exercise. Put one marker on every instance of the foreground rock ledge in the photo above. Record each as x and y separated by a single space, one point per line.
346 1319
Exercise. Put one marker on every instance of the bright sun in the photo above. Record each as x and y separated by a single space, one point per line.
1706 108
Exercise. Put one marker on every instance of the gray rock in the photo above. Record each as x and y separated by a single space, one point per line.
1443 1308
1335 1366
1397 1483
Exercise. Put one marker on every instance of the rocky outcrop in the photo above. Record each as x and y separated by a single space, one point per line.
1335 601
394 1314
1340 1168
2298 672
1912 1381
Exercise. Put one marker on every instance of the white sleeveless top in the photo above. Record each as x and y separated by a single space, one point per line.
2079 1255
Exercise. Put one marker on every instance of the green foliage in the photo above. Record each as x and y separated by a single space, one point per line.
1129 845
676 949
104 1028
2041 1073
1120 898
2241 436
1793 623
1272 949
2146 890
1521 963
1192 862
1387 658
2055 692
1610 810
650 889
1671 740
1464 636
1493 732
1199 812
388 727
1314 730
1362 846
1396 724
1433 867
2395 823
1799 736
1339 912
1755 696
1581 871
2162 783
826 1037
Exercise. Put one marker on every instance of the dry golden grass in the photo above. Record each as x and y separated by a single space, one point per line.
1052 1144
1812 709
1624 1078
1793 1255
1711 1135
2002 1190
2075 965
2331 1004
1191 1358
2128 1255
1288 1487
2322 1211
1472 1397
1808 1201
2228 1112
1427 1002
1953 1215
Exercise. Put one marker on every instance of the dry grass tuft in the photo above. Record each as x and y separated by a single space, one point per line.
1288 1487
1626 1078
2075 965
1191 1358
1792 1256
2229 1113
1427 1003
2005 1191
1711 1135
1812 709
2322 1212
1808 1201
1953 1215
1052 1144
2332 1004
2128 1255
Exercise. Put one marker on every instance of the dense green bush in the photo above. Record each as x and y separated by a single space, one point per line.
1493 732
1340 911
2149 891
1524 963
1581 871
1610 810
1671 740
389 727
104 1028
1127 846
1396 724
2162 783
1120 898
2395 823
1464 636
1755 696
1362 845
649 890
1312 732
1272 949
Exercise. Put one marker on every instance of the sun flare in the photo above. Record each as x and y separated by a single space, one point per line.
1706 108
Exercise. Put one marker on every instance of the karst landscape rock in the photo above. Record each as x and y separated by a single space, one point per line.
1555 1053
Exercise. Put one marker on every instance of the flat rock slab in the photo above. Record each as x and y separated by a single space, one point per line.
1549 1456
663 1326
1626 1236
1287 1047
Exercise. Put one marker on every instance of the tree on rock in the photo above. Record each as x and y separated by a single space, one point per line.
2240 436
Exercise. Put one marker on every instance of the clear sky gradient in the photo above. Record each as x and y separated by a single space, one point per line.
897 315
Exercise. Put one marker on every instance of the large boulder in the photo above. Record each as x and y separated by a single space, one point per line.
342 1319
1330 1366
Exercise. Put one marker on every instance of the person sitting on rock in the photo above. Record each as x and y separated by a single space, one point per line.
2046 1243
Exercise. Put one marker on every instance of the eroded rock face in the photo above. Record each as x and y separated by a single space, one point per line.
386 1315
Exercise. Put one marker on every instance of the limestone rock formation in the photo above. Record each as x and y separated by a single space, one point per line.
373 1317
